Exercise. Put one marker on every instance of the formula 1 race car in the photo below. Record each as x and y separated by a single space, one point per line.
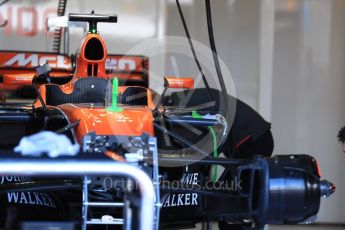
114 120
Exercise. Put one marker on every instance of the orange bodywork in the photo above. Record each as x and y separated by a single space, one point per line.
179 83
22 78
18 79
91 62
87 67
95 67
133 121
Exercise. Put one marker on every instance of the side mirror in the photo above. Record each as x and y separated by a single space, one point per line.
178 83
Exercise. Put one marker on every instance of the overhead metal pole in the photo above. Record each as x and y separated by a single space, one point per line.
50 167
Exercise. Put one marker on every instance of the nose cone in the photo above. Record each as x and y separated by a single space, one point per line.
327 188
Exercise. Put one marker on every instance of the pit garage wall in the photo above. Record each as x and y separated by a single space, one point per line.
304 51
308 88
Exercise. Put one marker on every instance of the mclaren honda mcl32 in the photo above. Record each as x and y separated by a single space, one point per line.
119 177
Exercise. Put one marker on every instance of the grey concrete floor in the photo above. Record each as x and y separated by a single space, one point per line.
292 227
305 227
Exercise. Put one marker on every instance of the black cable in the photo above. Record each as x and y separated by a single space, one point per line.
193 50
39 96
68 127
226 162
3 2
215 56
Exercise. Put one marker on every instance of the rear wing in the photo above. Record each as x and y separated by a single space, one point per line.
25 62
130 69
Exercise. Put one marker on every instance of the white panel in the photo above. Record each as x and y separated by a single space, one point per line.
308 89
266 58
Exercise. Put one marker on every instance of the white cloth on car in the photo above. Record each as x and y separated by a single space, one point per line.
48 142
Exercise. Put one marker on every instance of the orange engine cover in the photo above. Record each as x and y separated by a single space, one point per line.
132 121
